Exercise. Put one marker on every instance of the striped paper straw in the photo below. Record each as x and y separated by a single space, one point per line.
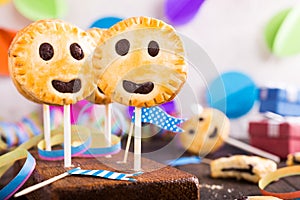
105 174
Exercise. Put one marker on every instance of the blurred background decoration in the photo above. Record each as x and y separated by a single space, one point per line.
256 43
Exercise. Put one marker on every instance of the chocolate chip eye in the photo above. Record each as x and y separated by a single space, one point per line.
76 51
201 119
46 51
153 48
191 131
122 47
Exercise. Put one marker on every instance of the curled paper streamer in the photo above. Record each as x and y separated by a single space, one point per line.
98 146
84 144
22 176
59 154
104 174
273 176
80 135
157 116
18 133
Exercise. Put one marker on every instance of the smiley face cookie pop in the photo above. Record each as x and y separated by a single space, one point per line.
49 62
207 131
140 62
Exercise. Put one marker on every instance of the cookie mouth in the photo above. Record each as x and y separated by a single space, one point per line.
248 170
72 86
142 88
100 90
214 133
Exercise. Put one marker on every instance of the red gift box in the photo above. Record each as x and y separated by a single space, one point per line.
279 138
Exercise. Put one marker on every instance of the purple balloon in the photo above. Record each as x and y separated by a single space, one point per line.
168 107
179 12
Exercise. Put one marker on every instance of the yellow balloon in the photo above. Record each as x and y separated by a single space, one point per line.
3 2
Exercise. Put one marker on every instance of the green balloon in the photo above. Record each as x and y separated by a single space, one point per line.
282 33
41 9
288 38
273 27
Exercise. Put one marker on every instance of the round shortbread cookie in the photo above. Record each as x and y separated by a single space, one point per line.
140 62
50 62
205 132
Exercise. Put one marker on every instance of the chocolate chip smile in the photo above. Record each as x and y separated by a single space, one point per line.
248 170
100 90
214 133
72 86
142 88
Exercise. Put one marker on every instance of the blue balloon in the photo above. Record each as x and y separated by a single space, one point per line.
234 93
105 22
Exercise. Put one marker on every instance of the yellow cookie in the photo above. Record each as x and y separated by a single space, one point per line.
97 97
17 85
140 62
205 132
50 62
293 159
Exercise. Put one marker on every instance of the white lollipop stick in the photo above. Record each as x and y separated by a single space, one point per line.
107 128
47 131
40 185
251 149
128 142
67 136
137 139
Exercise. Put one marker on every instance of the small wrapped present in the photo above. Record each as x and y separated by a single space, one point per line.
285 102
277 137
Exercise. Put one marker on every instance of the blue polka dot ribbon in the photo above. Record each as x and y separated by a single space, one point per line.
158 117
105 174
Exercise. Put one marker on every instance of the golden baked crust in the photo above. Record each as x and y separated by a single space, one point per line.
97 96
140 62
50 61
96 33
24 93
205 132
252 168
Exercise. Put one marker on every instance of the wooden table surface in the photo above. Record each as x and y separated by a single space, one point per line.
211 188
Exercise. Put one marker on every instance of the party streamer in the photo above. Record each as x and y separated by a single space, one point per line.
276 175
22 176
85 144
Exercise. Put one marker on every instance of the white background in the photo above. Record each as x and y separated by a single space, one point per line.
230 31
